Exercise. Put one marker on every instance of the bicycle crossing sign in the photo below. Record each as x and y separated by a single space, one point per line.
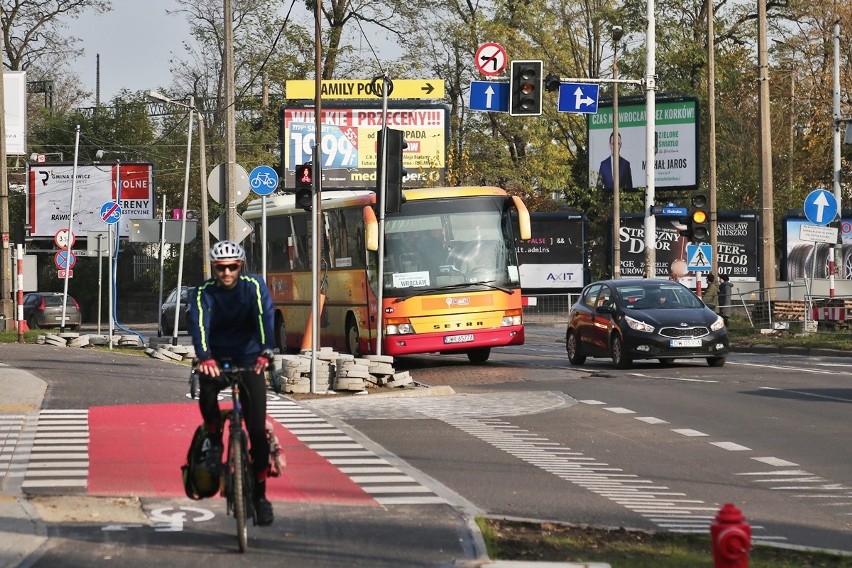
263 180
699 258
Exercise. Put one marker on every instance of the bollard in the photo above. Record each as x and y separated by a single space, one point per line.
731 537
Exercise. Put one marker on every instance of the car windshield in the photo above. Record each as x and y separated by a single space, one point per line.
662 296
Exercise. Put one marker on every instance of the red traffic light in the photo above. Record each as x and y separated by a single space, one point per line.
304 175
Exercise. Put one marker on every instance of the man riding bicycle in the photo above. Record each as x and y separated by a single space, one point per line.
231 318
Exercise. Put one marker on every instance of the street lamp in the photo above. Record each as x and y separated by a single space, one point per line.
617 33
190 108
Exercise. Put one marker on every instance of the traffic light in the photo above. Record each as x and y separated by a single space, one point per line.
304 185
525 86
699 219
393 159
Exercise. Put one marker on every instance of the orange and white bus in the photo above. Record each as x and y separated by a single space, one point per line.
451 279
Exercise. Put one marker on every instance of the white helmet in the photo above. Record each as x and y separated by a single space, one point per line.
227 250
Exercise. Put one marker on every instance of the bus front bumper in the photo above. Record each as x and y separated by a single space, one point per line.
453 342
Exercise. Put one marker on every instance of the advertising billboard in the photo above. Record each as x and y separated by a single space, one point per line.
15 111
808 259
737 246
554 259
49 197
676 145
348 142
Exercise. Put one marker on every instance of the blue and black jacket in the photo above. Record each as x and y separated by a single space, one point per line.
235 324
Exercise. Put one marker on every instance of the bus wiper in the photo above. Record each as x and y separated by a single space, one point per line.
457 286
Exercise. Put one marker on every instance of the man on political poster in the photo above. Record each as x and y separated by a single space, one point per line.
606 172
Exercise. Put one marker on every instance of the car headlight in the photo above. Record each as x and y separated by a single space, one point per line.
638 325
718 324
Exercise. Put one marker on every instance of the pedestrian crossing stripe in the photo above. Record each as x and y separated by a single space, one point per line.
699 257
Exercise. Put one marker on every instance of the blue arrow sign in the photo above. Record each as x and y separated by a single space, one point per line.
578 97
263 180
820 207
489 96
110 212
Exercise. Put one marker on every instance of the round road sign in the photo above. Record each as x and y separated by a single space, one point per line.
61 239
64 260
490 58
263 180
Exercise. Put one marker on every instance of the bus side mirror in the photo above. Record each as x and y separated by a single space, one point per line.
371 229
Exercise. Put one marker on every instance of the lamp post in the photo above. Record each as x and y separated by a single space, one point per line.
617 33
190 108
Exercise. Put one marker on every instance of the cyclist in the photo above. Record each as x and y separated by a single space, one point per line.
231 317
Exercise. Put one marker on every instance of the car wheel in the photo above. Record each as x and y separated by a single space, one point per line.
479 356
616 351
716 361
575 352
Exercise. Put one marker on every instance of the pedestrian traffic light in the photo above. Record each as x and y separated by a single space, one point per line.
395 170
304 185
699 219
525 86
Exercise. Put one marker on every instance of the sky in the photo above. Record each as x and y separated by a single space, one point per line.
135 40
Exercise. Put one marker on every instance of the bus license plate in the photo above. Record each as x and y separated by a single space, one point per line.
685 343
459 338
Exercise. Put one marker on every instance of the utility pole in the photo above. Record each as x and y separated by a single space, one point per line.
767 215
230 127
711 111
617 33
839 123
650 135
5 250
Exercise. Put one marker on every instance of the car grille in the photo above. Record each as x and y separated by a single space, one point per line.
684 331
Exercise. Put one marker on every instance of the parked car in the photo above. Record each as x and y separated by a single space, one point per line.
44 310
644 319
168 311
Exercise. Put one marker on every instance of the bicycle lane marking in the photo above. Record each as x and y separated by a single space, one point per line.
138 449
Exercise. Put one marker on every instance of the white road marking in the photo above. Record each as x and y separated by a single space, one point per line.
688 432
619 410
651 420
776 462
731 446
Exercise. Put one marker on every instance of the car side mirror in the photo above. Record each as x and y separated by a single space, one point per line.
606 309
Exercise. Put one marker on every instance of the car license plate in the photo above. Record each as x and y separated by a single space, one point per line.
57 318
459 338
685 343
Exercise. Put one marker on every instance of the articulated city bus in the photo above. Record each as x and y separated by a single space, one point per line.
450 273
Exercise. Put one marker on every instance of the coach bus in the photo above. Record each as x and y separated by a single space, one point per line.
450 279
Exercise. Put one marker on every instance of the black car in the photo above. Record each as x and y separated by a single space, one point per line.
644 319
168 311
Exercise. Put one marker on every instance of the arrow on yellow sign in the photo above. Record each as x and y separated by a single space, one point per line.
364 89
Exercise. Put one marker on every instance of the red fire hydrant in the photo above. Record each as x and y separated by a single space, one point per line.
731 537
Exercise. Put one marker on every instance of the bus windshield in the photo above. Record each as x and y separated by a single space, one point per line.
438 243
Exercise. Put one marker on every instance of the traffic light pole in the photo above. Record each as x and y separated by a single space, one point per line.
383 183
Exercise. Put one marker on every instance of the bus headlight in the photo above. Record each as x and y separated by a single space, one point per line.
512 317
398 326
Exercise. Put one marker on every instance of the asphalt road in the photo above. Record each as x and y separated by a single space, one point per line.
526 435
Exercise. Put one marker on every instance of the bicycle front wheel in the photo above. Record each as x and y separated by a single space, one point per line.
237 453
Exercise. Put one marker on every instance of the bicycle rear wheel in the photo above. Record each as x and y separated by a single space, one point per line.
238 472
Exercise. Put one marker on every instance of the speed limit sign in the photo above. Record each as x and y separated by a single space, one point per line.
64 238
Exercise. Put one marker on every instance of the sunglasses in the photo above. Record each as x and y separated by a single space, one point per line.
224 267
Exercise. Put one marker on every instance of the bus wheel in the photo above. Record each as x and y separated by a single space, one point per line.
352 346
280 334
480 355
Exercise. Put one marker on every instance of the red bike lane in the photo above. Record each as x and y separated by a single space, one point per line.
139 449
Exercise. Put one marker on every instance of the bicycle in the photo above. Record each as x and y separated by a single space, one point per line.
238 486
272 379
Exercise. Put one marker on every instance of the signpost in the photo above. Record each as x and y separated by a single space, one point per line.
578 98
820 207
490 59
489 96
365 89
